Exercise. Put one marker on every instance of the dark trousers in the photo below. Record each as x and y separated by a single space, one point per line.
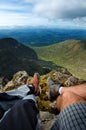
22 116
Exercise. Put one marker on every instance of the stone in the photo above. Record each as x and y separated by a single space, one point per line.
9 86
72 81
18 79
47 120
61 76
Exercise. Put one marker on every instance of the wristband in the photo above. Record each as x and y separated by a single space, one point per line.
60 90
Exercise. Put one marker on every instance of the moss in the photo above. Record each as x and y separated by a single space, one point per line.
43 105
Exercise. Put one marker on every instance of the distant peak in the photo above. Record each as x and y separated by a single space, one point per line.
9 39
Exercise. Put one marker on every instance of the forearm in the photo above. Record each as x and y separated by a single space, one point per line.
79 90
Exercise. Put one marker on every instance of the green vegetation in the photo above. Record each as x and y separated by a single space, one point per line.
70 54
15 56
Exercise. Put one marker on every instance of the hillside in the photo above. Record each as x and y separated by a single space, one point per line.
15 56
70 54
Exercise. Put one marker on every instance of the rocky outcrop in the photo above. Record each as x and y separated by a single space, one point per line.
67 79
45 106
61 75
47 120
18 79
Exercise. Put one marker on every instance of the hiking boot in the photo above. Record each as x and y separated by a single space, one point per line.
53 88
35 82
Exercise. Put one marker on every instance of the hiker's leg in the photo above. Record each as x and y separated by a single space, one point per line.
1 112
9 98
22 116
67 98
23 90
20 91
78 90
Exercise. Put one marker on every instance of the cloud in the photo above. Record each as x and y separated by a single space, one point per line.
51 9
60 8
5 7
11 19
15 6
43 12
30 1
80 22
18 19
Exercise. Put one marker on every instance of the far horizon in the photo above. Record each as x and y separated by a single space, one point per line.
43 26
42 36
52 14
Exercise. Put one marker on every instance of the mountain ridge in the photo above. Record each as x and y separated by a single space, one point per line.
70 54
15 56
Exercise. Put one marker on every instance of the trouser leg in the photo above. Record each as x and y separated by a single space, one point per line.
22 116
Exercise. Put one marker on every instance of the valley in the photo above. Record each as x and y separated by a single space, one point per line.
70 54
51 47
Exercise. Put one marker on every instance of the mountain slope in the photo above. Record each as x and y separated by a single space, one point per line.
15 56
70 54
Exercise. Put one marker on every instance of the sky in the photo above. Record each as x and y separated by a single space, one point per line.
49 13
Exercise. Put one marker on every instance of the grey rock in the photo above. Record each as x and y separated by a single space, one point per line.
18 79
47 120
72 81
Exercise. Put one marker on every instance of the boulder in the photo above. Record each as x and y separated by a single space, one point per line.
18 79
71 81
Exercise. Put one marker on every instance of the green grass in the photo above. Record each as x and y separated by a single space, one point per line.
70 54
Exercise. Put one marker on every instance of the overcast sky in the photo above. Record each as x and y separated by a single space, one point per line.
51 13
